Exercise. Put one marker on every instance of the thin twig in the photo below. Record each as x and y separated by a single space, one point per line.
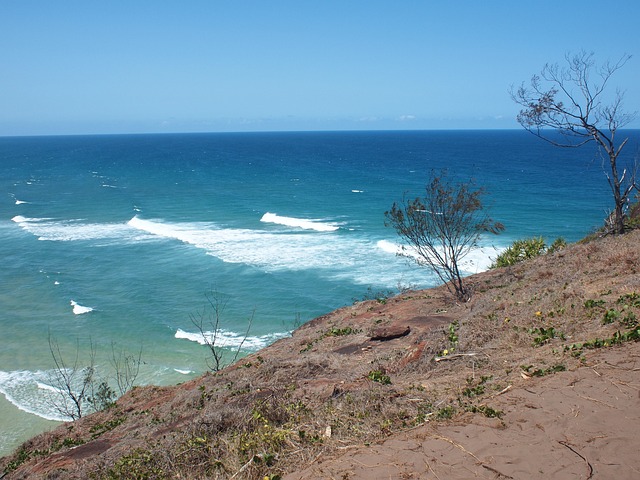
504 390
581 456
455 355
596 400
242 469
497 472
455 444
430 468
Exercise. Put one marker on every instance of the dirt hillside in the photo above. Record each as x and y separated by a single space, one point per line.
536 377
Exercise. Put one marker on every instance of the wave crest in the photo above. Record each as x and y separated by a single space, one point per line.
31 392
229 339
299 223
80 309
49 229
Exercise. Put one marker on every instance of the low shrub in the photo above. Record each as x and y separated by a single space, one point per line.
521 250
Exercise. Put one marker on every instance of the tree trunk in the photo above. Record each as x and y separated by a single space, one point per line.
618 219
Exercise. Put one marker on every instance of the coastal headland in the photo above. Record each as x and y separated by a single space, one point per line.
535 377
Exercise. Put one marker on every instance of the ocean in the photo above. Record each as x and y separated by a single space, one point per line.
121 241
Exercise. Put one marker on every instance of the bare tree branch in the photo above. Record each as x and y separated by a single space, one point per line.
77 388
126 367
571 103
209 323
72 384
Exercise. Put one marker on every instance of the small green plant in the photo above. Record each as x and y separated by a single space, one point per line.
379 376
446 413
519 251
138 464
610 316
103 398
473 391
264 437
541 372
307 347
558 244
476 390
453 333
626 316
72 442
631 299
631 335
20 457
544 335
332 332
594 303
485 410
525 249
204 397
629 320
340 332
101 428
452 338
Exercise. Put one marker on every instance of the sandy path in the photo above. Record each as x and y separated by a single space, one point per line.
569 425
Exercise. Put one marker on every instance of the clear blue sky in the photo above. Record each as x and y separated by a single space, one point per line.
117 66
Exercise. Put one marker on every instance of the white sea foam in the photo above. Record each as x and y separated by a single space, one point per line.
389 247
46 386
228 339
79 309
481 259
30 392
20 219
49 229
268 250
345 257
477 260
299 223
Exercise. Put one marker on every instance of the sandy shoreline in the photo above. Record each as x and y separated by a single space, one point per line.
18 426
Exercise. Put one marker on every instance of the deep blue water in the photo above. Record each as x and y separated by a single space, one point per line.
284 226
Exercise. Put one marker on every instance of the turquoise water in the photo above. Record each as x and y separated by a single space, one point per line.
116 240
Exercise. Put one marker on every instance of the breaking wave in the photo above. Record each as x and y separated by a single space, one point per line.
49 229
305 224
228 339
31 392
80 309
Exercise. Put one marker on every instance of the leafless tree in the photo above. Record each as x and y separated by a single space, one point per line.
209 324
126 367
442 227
78 389
571 100
72 383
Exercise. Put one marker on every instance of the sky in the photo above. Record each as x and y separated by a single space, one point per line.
153 66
